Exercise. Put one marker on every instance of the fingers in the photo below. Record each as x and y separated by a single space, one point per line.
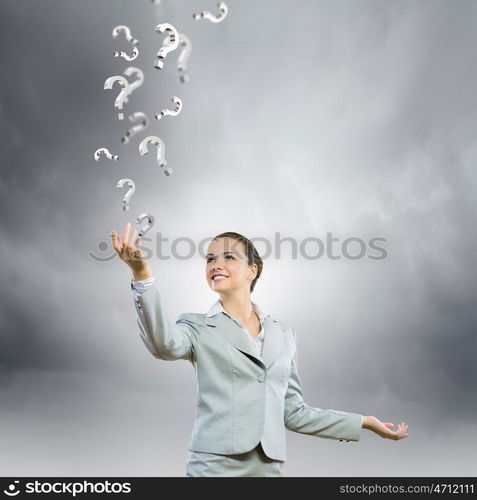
401 432
127 230
127 236
127 242
116 240
132 250
400 436
387 433
126 246
138 241
404 428
135 245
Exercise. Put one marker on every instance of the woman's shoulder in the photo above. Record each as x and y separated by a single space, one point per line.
281 324
191 318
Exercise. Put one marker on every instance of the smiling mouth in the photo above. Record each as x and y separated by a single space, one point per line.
219 277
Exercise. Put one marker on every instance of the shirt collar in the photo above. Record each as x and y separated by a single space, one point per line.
217 308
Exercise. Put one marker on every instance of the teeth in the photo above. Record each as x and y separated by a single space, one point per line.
216 278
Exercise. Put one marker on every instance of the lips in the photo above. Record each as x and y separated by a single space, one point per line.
218 277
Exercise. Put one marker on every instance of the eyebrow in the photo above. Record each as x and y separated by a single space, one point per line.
211 254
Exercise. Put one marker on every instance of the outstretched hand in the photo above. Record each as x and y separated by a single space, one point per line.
383 429
129 250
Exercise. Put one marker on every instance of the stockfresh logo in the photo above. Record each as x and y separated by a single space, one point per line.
13 489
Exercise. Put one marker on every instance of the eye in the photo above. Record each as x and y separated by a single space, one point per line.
231 256
209 259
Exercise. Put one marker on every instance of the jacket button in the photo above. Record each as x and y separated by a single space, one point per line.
261 378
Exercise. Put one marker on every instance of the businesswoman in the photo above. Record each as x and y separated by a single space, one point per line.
245 360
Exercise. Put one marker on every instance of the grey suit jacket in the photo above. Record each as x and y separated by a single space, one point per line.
241 400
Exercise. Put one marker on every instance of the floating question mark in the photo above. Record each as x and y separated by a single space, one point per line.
137 128
215 19
168 45
127 31
132 187
183 58
174 112
129 38
137 83
150 221
108 85
106 152
143 149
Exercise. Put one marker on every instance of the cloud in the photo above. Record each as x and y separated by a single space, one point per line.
301 118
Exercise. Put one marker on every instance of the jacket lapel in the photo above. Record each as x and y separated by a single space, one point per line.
234 335
274 341
229 331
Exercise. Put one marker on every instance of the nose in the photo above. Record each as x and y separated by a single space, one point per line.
216 267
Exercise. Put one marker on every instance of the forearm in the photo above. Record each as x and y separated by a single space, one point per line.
328 424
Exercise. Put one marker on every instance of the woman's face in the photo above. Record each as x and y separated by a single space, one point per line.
226 267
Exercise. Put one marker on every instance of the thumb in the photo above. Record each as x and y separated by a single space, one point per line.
388 424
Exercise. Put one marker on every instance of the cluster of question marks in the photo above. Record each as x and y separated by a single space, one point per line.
171 42
129 38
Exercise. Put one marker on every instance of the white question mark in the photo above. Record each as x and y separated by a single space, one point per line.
143 149
145 228
137 128
124 84
132 187
215 19
168 45
137 83
106 152
174 112
183 58
129 38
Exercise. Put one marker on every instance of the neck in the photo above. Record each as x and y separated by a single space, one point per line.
238 305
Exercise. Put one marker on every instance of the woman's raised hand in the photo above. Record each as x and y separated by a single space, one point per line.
383 429
129 250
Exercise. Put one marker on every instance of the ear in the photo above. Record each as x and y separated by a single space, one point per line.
253 271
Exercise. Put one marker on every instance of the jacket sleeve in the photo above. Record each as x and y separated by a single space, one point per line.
302 418
162 338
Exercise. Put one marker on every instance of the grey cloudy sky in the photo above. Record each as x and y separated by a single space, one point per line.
352 117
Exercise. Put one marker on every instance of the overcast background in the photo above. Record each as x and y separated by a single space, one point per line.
355 118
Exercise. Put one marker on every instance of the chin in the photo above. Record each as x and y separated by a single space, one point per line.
218 286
